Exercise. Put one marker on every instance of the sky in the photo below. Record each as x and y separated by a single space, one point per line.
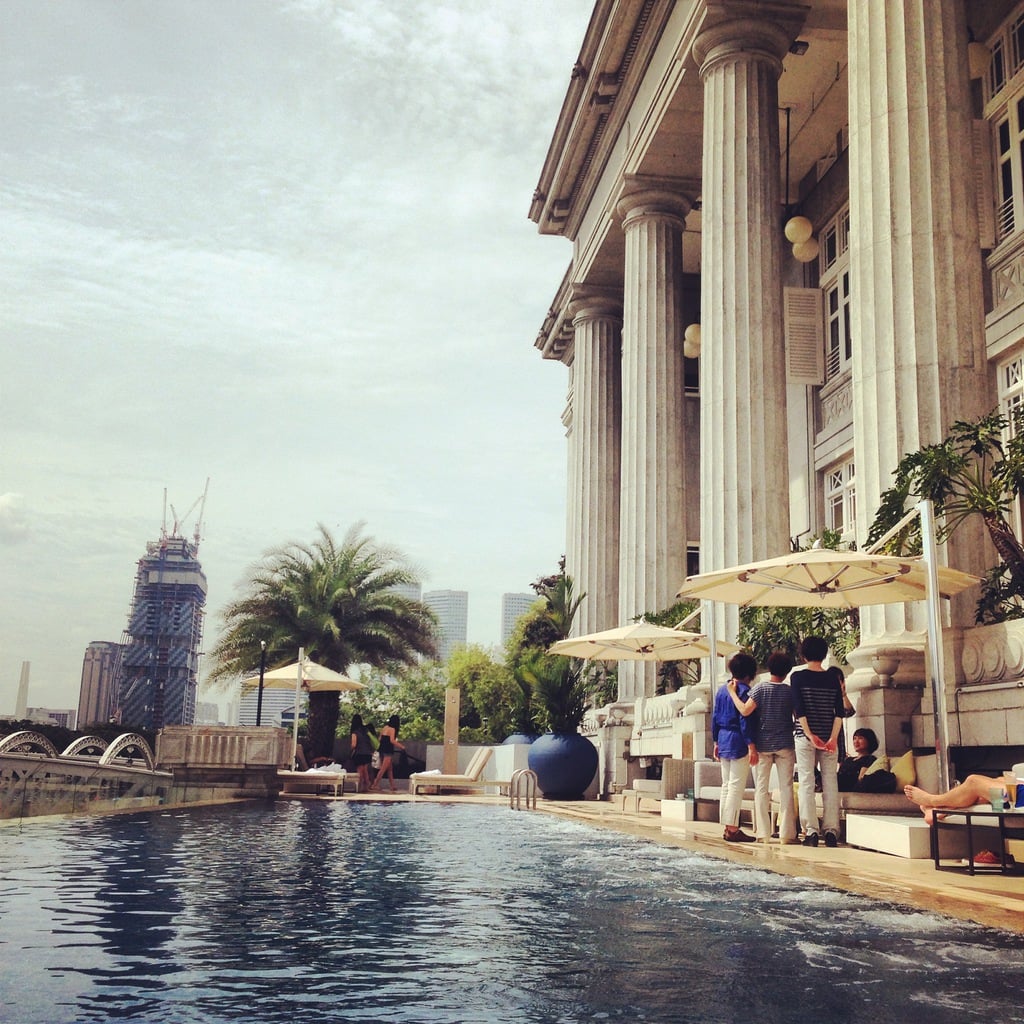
285 247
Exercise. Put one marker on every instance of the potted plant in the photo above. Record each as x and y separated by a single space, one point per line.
563 760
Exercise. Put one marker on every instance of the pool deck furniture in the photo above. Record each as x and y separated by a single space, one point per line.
315 781
471 779
1001 825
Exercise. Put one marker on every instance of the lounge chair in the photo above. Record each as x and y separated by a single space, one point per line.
470 780
316 779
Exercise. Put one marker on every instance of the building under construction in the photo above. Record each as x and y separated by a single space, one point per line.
161 646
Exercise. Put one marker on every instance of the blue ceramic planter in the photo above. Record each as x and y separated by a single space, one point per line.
518 739
564 763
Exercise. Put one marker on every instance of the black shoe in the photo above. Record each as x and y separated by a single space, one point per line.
739 836
811 839
831 840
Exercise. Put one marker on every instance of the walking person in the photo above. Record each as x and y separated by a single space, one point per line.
386 748
773 738
361 751
818 709
733 734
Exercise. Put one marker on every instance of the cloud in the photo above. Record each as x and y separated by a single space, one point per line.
14 528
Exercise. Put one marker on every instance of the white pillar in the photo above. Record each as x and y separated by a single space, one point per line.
597 424
744 449
917 304
652 547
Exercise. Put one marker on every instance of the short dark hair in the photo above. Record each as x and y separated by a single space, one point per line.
743 666
780 664
869 735
813 648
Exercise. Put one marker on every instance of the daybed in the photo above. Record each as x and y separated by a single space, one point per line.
315 780
471 779
921 771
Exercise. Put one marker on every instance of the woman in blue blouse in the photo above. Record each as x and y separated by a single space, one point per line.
734 746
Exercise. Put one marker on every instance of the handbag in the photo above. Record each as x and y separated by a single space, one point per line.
375 759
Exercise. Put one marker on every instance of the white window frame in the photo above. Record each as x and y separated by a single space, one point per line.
834 282
839 491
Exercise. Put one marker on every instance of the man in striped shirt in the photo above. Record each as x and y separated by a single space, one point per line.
818 709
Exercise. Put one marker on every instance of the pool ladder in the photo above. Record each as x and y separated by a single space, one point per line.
523 786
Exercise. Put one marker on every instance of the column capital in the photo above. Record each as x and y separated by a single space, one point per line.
750 29
589 302
649 196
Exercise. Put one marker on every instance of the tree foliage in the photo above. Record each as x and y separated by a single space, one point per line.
339 603
978 470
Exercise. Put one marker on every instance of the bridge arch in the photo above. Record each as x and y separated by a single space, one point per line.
126 743
82 744
27 742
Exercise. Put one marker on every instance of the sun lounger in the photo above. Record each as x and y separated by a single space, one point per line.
315 780
470 780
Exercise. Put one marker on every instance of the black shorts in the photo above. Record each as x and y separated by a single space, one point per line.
358 759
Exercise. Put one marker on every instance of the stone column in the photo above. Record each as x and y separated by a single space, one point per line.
652 546
744 451
597 423
916 315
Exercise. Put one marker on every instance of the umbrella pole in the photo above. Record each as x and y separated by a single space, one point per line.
295 712
708 622
936 675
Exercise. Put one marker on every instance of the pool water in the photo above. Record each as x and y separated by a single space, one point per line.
318 912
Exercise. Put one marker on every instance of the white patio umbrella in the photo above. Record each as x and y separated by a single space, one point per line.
303 674
640 641
821 578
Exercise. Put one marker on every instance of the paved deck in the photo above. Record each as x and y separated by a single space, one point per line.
989 899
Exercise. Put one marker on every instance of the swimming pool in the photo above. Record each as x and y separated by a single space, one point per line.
332 911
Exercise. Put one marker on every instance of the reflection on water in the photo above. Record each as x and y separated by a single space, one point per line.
320 912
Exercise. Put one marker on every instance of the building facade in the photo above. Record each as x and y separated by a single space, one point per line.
513 607
100 668
798 254
452 610
160 662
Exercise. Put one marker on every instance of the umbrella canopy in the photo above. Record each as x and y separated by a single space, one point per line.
826 579
315 679
640 641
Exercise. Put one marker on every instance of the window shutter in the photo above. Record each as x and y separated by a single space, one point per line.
803 324
984 185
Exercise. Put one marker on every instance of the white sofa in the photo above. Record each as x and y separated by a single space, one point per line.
707 789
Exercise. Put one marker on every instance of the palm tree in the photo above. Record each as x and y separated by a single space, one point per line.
339 602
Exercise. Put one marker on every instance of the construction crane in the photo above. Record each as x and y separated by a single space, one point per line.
179 520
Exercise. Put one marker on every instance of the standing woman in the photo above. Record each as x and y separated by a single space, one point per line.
733 734
361 750
386 747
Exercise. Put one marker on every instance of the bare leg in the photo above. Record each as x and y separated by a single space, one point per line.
973 790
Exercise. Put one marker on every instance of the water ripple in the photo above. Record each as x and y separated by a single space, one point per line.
441 913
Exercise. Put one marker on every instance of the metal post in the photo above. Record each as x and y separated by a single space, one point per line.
936 675
259 696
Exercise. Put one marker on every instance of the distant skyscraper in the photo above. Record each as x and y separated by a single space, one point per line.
513 606
413 591
21 704
100 668
275 701
160 663
452 610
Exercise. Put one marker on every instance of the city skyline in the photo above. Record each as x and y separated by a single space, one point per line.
308 290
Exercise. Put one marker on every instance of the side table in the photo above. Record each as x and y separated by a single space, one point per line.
969 814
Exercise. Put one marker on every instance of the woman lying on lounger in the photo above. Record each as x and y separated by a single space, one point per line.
973 790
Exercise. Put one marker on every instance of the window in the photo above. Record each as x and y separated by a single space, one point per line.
1010 380
1005 112
835 287
840 499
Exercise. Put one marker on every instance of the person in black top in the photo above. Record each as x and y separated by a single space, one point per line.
818 709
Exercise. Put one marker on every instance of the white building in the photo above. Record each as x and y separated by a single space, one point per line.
731 388
275 703
452 610
513 607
